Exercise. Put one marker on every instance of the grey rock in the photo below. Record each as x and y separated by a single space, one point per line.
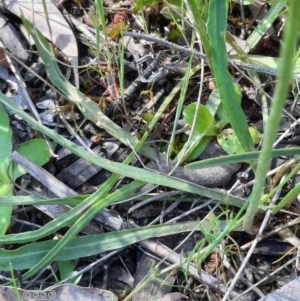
289 292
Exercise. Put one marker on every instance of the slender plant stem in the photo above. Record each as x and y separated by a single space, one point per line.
281 90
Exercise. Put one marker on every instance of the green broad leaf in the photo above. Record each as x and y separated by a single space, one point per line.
198 142
229 141
204 120
36 150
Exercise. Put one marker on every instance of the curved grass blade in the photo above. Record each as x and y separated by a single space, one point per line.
27 256
245 157
200 23
36 200
262 27
287 199
217 23
80 223
72 215
144 175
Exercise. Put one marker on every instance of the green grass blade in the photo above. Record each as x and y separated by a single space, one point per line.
217 23
80 223
268 20
27 256
69 217
36 200
200 23
245 157
35 150
287 199
179 108
147 176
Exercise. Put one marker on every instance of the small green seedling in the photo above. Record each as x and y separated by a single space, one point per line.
206 124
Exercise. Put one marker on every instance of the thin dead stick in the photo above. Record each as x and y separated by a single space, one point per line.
271 233
258 68
87 268
250 252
